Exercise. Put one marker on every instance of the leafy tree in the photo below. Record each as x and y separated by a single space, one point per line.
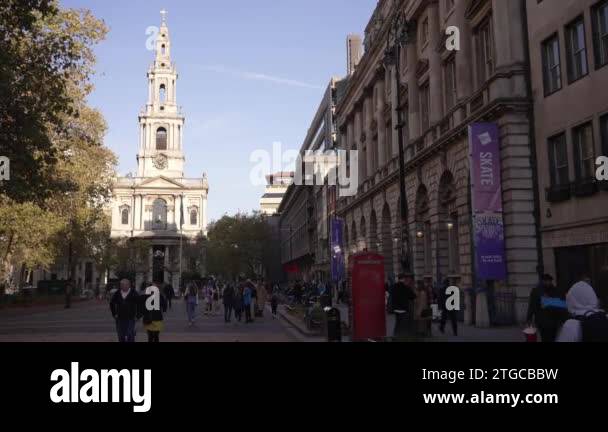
238 244
61 174
25 230
126 257
45 53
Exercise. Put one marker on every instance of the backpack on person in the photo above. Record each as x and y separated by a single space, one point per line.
595 327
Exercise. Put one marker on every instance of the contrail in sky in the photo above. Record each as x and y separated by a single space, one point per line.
259 77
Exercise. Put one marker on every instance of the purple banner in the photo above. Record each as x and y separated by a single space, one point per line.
490 246
337 250
485 167
486 193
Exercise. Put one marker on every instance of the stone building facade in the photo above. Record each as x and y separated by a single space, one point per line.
569 70
305 209
276 186
442 92
160 205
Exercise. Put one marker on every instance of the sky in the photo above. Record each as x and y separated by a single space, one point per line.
251 73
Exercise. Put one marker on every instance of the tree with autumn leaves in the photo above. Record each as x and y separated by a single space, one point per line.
53 207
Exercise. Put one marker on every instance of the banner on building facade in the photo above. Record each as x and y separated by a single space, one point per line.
337 250
486 196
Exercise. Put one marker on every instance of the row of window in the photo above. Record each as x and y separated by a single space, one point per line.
484 66
583 155
576 49
159 214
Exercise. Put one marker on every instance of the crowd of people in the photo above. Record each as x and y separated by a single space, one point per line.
576 315
246 300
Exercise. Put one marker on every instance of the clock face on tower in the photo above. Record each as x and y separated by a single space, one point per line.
160 161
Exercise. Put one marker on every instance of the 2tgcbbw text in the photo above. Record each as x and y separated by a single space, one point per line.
455 376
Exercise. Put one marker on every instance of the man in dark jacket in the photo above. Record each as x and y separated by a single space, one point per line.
547 309
228 300
169 294
124 308
403 297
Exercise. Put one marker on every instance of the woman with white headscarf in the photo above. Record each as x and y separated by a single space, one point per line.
584 306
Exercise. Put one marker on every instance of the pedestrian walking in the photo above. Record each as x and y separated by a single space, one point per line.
589 322
446 311
262 298
274 302
152 312
169 294
238 303
254 299
422 310
69 290
547 309
124 308
247 301
208 296
216 299
191 299
228 300
403 296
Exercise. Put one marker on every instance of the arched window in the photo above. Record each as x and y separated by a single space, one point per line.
159 214
163 49
161 139
124 216
193 217
163 93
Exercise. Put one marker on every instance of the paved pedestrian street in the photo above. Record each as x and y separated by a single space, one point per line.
92 322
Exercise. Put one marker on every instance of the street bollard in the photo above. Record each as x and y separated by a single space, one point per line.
334 324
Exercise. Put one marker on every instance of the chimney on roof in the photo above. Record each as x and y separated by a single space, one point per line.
354 52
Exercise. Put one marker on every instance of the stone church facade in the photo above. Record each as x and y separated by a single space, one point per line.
160 204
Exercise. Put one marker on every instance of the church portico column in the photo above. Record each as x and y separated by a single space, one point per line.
167 264
151 262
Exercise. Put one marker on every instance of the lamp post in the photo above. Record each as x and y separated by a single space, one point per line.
399 37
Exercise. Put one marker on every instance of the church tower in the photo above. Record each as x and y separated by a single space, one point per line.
161 124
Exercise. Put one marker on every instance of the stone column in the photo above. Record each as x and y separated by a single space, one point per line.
435 69
379 111
136 210
359 144
464 57
369 114
151 262
413 92
149 140
149 90
167 263
204 215
133 205
141 212
510 46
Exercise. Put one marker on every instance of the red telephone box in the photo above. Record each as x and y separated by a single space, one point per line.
368 309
